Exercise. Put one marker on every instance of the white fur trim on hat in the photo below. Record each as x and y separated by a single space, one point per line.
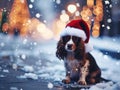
74 31
88 47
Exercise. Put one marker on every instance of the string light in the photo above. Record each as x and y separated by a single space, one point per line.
95 12
71 8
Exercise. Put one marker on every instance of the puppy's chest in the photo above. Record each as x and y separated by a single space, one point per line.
73 65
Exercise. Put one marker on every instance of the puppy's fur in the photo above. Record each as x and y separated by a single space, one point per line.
80 66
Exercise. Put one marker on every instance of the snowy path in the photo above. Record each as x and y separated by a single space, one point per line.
38 60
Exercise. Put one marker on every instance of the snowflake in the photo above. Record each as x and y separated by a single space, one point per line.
35 43
109 20
114 40
30 6
13 88
103 25
118 63
110 6
107 2
38 15
77 4
24 41
58 1
32 0
50 85
118 51
23 56
2 44
77 13
108 27
45 21
14 66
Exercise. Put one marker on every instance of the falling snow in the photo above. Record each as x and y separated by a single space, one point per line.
30 6
32 1
41 62
107 2
109 20
23 56
28 68
103 25
50 85
37 15
110 6
108 27
58 1
14 88
2 44
14 66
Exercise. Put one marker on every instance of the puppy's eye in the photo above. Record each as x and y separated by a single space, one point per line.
66 38
76 39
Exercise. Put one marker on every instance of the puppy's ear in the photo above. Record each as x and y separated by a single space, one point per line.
80 51
61 52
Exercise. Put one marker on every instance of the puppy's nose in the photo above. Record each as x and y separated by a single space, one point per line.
69 46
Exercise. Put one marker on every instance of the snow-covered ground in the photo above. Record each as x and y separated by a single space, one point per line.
38 60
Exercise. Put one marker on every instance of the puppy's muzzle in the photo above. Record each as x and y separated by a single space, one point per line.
69 46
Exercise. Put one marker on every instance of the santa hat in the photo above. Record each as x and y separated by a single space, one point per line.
78 28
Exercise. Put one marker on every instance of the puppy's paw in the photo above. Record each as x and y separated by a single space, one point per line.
82 82
66 80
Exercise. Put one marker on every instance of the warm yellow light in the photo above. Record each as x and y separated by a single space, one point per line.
64 17
0 14
95 33
5 27
44 31
71 8
90 3
96 25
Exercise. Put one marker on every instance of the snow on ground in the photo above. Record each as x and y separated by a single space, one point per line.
38 60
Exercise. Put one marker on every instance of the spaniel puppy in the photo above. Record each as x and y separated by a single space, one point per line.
80 65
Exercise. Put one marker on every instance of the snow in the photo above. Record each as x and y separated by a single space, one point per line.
6 71
14 88
41 62
23 56
106 43
37 15
14 66
29 76
50 85
107 2
106 86
109 20
28 69
30 6
108 27
58 1
32 1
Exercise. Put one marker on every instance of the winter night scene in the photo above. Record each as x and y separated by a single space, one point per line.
59 44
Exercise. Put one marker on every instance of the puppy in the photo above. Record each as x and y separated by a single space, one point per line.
80 65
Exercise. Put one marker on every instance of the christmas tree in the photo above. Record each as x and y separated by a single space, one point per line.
3 20
19 17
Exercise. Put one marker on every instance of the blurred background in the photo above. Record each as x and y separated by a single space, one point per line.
45 19
29 30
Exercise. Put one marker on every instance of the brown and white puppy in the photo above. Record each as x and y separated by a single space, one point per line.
73 48
80 66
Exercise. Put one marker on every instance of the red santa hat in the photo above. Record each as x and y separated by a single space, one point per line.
78 28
